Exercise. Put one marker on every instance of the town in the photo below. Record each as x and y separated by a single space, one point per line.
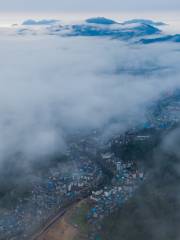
107 173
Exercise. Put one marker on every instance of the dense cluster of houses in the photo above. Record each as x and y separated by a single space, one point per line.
54 192
127 177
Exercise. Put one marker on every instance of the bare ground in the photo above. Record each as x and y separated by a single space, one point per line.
69 226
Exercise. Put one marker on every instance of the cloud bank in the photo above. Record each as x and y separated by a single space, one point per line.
52 86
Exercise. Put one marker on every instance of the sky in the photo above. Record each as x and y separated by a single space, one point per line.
16 11
88 5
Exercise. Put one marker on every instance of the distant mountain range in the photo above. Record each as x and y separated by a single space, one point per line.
145 21
101 26
31 22
166 38
142 31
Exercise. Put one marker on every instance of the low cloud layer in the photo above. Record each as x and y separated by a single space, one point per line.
52 86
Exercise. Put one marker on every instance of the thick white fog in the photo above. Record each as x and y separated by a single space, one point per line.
51 86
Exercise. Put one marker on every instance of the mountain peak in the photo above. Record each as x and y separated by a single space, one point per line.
101 20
